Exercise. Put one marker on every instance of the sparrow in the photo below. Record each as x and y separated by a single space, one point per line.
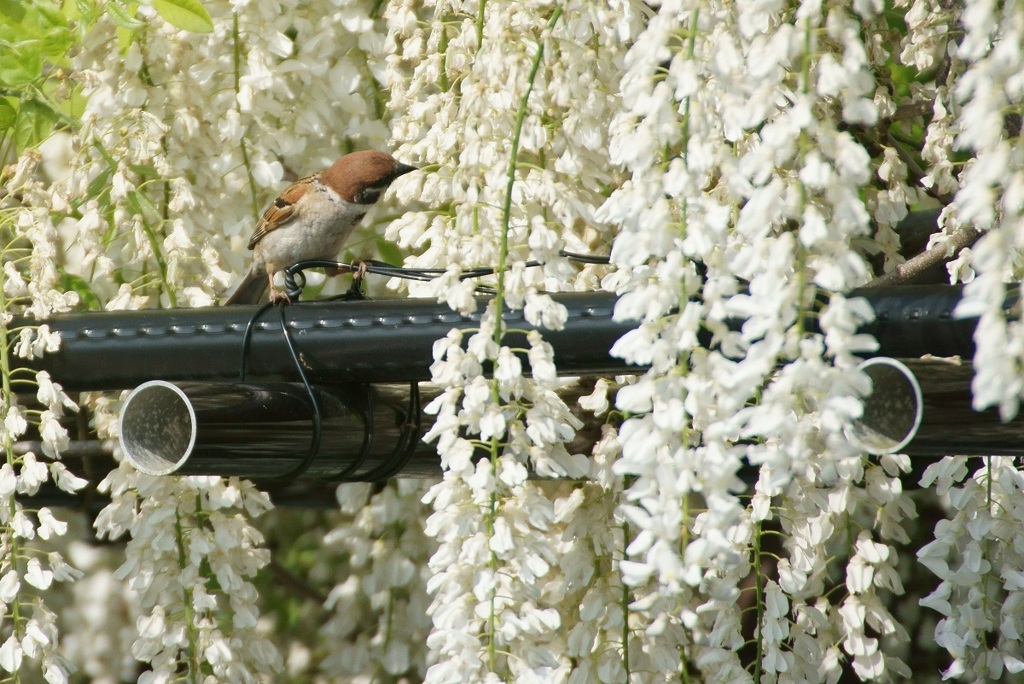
313 217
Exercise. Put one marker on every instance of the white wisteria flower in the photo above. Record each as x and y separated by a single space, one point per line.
745 165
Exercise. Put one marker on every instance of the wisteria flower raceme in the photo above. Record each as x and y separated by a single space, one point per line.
746 166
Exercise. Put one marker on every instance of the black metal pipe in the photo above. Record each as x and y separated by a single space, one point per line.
267 431
391 340
950 425
340 342
922 408
345 342
892 411
917 320
273 430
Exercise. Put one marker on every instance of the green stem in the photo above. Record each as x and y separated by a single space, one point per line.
805 65
759 603
5 145
193 657
691 51
506 216
684 541
151 236
988 482
480 23
40 96
161 263
804 143
442 50
625 606
492 562
237 56
8 441
146 78
499 303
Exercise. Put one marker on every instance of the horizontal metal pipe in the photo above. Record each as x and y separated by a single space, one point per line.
387 340
949 424
391 340
892 410
270 431
923 408
265 431
918 320
341 342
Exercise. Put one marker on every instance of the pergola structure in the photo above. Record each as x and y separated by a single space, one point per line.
208 400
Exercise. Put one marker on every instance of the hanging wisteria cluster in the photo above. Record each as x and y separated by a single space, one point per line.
744 165
517 171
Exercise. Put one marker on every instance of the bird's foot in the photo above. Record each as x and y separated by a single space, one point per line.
358 273
356 268
278 297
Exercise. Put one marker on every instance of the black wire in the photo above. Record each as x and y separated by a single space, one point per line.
407 442
318 425
295 283
585 258
295 278
364 451
314 446
247 339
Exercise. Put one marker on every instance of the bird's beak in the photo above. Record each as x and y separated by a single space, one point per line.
402 169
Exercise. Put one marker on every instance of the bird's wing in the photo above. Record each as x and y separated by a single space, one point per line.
282 210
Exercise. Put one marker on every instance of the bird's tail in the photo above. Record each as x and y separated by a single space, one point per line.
250 291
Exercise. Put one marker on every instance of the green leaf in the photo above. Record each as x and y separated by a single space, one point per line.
7 116
143 205
389 252
84 13
57 41
144 170
73 104
72 283
119 15
50 15
189 15
125 38
13 11
21 64
28 21
34 124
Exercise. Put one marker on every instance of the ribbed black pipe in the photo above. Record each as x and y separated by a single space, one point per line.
383 340
391 340
915 320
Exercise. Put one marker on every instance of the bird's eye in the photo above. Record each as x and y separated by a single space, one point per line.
369 195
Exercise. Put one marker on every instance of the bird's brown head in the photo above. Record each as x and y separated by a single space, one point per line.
362 177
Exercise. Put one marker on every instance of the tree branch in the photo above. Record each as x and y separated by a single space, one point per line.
911 270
